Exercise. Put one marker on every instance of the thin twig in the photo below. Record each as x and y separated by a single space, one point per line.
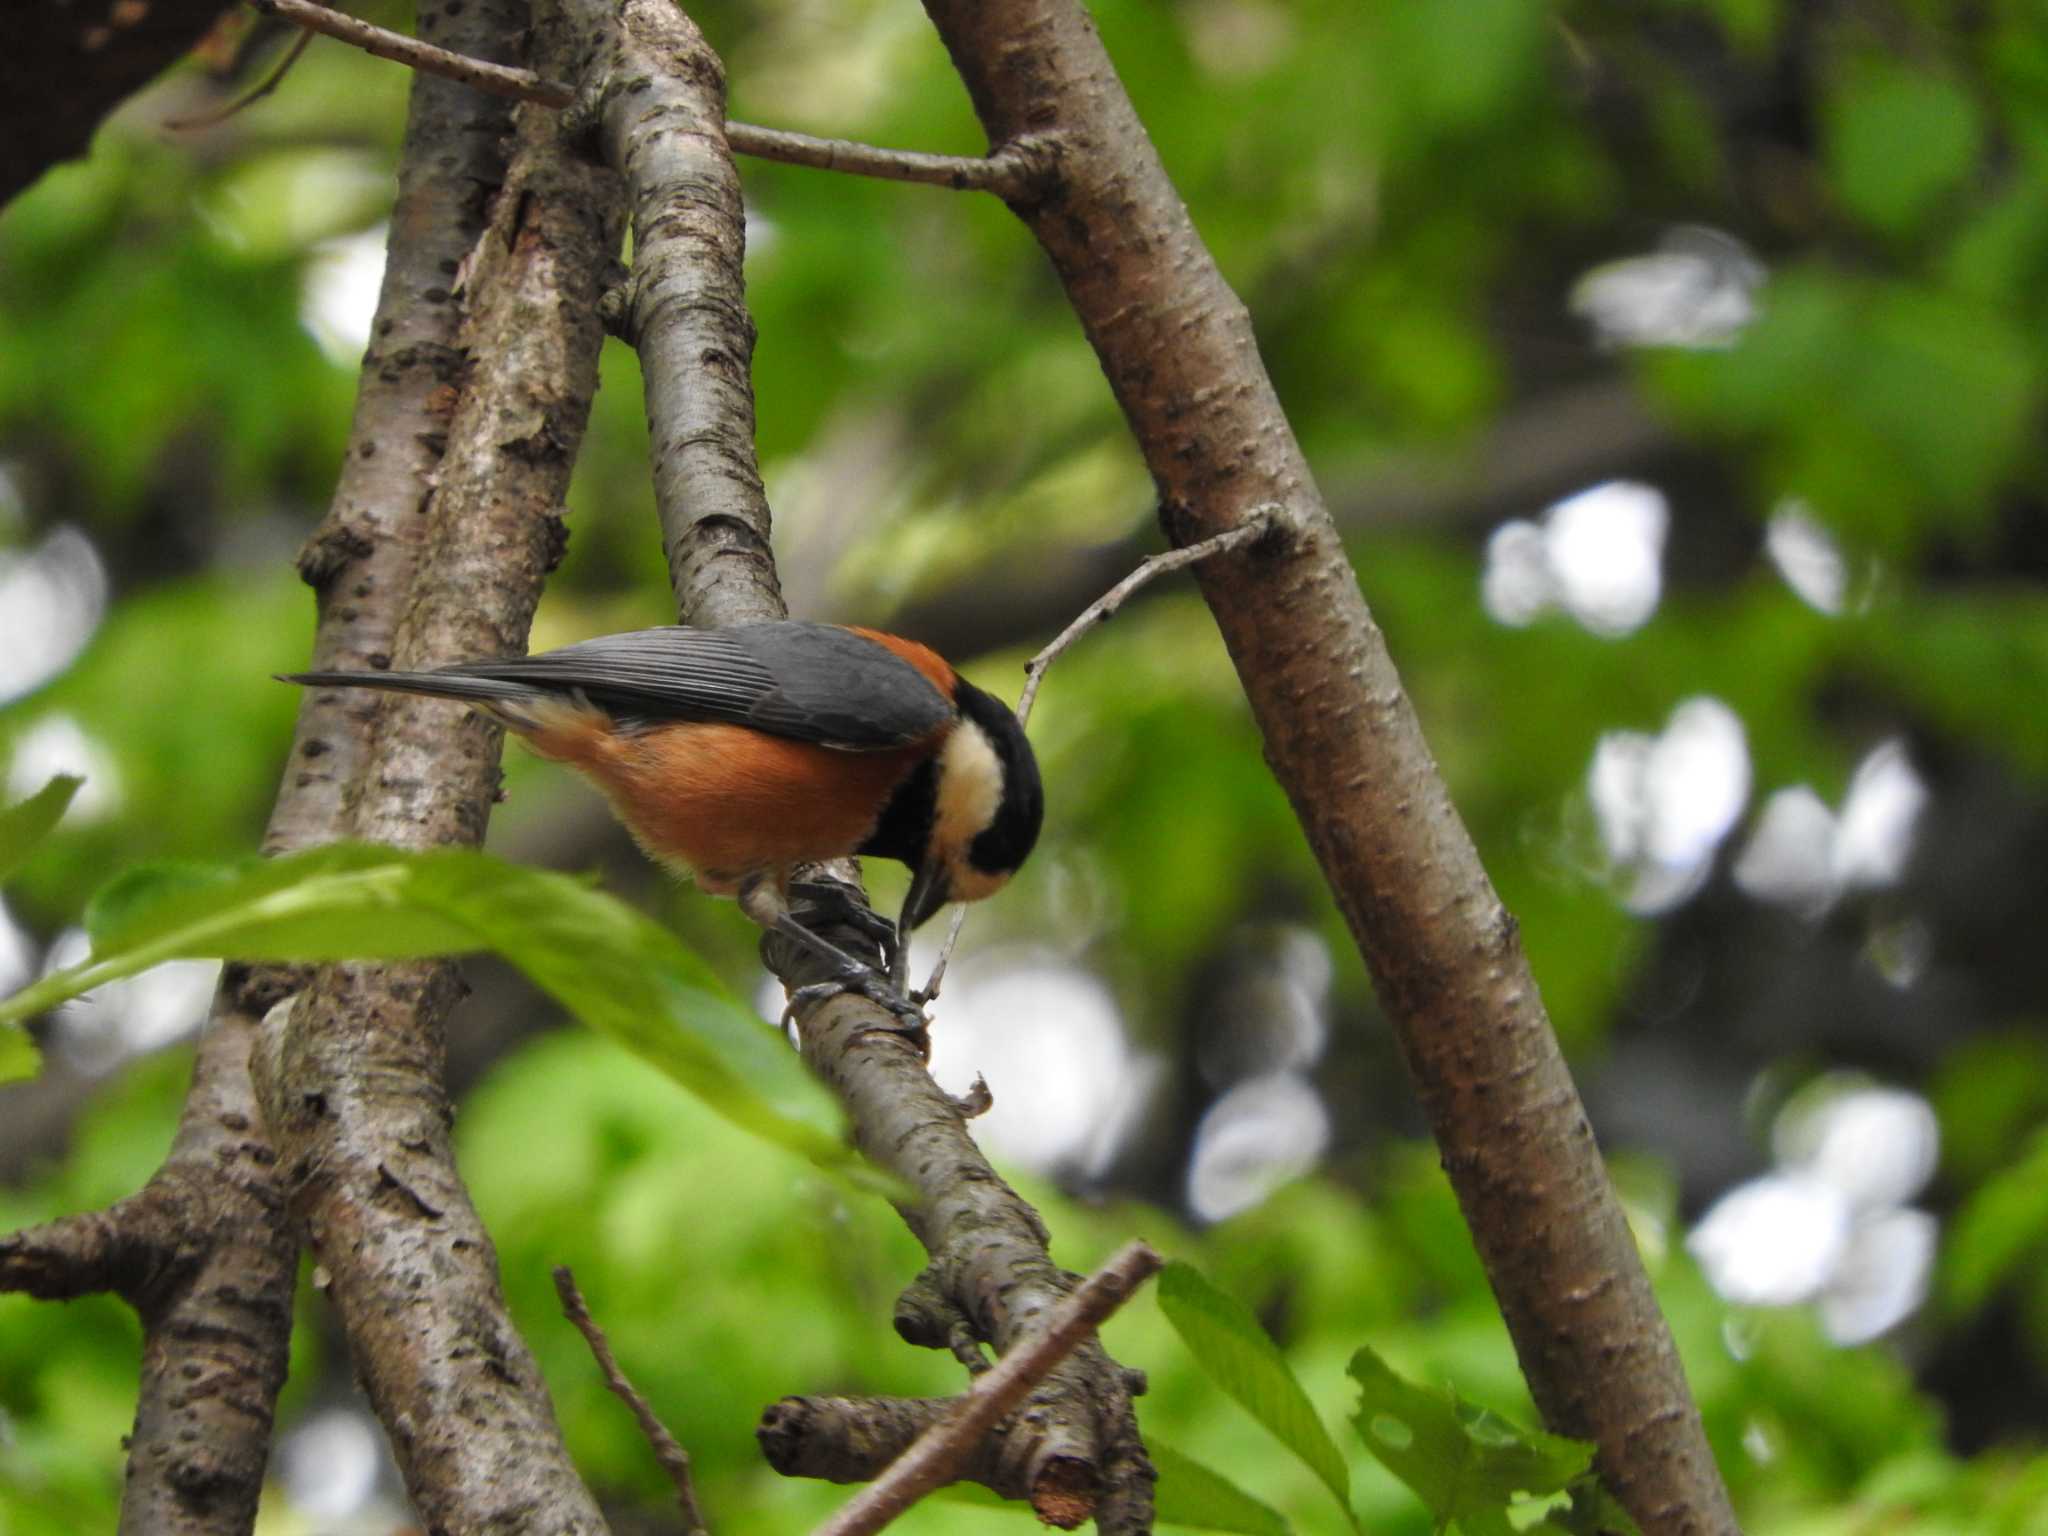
999 172
1256 522
963 173
496 79
939 1452
675 1461
243 103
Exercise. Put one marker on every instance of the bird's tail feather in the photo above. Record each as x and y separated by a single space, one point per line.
442 685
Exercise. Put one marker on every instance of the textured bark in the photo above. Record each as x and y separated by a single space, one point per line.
654 94
205 1251
991 1277
204 1255
360 560
854 1439
353 1082
66 66
1342 738
217 1325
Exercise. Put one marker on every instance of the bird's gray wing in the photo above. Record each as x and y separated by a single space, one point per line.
808 682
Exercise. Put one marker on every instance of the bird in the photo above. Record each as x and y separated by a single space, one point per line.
735 754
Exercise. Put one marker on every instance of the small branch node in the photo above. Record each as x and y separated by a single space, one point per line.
582 118
1029 166
675 1461
976 1101
615 310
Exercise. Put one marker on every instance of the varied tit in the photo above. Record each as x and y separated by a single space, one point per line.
737 753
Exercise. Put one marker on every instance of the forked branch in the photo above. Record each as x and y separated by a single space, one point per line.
1003 174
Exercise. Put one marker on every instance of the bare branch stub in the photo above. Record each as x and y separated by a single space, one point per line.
1341 735
1062 1491
247 99
1256 525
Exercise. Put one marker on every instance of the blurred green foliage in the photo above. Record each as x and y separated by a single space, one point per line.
1406 202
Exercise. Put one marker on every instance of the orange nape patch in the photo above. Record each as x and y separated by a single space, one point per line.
928 661
724 801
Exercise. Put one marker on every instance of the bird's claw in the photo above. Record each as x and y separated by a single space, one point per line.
873 986
831 903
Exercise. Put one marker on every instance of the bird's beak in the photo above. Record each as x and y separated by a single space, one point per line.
929 891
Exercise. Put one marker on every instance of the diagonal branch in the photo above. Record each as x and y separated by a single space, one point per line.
1343 739
654 94
668 1450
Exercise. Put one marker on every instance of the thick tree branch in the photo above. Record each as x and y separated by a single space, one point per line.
206 1251
351 1078
216 1316
1343 739
654 94
204 1255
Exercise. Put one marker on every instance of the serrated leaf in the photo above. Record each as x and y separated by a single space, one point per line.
1234 1350
612 966
24 826
1190 1494
1465 1462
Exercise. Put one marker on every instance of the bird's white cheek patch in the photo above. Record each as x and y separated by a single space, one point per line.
970 788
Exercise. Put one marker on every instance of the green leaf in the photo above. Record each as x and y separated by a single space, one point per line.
614 967
1898 139
340 903
1466 1463
2004 1221
1190 1494
18 1055
22 828
25 825
1221 1333
1596 1512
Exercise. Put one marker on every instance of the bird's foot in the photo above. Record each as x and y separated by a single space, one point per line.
908 1017
830 902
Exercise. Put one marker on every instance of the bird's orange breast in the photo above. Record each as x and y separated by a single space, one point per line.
725 801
